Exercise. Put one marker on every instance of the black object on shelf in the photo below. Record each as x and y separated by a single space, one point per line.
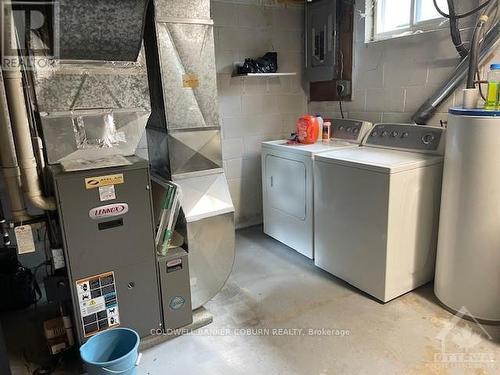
265 64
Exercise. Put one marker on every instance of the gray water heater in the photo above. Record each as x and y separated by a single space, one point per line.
107 229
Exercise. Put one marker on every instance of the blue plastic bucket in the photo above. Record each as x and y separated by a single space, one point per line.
114 351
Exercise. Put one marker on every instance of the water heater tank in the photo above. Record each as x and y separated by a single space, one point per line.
468 256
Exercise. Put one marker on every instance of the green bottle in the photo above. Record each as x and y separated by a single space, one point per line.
493 87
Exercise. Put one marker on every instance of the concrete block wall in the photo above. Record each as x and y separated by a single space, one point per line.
392 78
254 109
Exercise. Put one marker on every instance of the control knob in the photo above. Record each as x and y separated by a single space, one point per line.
428 138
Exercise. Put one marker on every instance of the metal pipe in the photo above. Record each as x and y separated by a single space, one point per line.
9 166
21 132
428 109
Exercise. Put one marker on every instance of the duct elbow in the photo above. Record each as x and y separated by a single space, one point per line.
41 202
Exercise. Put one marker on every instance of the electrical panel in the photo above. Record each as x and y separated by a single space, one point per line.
320 40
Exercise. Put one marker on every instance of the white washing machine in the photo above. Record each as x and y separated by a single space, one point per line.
377 207
287 184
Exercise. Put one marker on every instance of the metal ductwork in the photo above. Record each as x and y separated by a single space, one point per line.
109 30
184 138
429 108
93 99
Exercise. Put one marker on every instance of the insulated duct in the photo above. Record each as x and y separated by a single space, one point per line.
429 108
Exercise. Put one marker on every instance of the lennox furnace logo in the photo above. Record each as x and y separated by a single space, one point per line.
109 210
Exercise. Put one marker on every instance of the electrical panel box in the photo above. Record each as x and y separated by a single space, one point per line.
108 236
320 43
173 269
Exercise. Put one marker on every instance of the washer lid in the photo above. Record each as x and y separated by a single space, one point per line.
308 150
379 160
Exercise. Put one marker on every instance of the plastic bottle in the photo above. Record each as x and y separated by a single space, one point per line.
307 129
320 124
493 87
326 132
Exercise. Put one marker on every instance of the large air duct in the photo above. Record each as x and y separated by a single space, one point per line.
429 108
107 30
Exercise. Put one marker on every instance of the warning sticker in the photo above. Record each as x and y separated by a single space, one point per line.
24 239
111 179
107 193
98 303
190 80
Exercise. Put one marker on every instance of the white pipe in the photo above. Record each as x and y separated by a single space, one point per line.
10 168
21 132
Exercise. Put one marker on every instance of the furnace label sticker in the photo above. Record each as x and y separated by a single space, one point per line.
107 193
111 179
24 239
98 303
190 80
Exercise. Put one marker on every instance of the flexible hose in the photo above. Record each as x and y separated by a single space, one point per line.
474 51
457 16
454 31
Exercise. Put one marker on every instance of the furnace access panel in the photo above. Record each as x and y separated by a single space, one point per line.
107 226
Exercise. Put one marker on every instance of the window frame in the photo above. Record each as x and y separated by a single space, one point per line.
371 34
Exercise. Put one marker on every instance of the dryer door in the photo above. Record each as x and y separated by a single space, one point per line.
286 185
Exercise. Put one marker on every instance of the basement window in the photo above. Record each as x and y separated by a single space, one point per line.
386 19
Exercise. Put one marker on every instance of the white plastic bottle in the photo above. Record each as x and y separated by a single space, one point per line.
320 121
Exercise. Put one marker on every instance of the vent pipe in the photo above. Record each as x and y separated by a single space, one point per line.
30 181
429 108
10 168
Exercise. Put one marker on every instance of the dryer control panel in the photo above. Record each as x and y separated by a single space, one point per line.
349 130
425 139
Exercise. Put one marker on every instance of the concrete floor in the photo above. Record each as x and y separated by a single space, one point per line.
271 288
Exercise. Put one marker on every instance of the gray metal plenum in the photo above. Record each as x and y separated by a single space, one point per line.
428 109
70 93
